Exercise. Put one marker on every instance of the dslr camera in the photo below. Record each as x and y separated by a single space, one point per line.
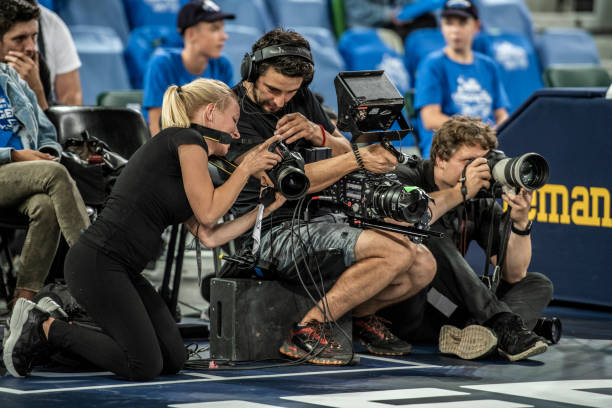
529 171
288 175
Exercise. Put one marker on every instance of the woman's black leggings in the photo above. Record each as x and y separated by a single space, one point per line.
140 339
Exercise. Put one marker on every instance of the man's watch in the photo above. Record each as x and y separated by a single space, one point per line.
526 231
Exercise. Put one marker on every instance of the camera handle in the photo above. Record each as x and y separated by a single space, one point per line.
408 160
416 233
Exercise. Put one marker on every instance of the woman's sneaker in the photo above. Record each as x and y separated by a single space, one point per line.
53 308
469 343
26 340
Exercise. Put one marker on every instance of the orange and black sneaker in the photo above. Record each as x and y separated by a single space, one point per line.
314 343
373 333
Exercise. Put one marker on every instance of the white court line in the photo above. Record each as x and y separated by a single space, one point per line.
245 377
393 360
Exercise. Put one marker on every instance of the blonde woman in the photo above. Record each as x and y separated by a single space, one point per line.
165 182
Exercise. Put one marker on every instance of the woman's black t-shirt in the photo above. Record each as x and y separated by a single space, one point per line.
148 197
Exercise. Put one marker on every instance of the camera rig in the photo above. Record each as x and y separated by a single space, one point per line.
369 104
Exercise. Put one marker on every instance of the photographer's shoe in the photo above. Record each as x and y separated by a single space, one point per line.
26 340
372 332
314 343
469 343
515 342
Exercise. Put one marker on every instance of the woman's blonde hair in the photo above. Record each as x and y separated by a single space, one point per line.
180 102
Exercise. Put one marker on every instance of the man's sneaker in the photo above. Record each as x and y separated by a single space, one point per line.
53 308
515 342
26 340
372 332
469 343
314 343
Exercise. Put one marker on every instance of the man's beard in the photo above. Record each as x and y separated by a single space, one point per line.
261 103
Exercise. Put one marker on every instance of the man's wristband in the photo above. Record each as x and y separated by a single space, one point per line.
526 231
322 134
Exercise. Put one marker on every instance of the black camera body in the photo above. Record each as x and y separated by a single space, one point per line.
288 175
529 171
371 196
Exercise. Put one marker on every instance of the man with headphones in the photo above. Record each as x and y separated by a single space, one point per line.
370 269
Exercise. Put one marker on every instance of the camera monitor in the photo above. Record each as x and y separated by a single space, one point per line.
367 101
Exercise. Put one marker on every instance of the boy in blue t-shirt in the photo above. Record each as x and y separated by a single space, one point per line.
457 80
200 23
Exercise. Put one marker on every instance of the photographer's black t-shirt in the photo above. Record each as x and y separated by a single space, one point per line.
256 126
148 197
478 210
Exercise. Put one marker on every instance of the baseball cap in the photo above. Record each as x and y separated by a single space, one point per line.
461 8
199 10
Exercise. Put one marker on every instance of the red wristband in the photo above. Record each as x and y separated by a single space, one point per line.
323 134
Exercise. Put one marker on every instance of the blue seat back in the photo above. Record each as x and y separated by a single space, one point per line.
103 68
152 12
249 13
563 46
239 42
142 44
418 45
363 49
517 59
511 16
107 13
295 13
328 62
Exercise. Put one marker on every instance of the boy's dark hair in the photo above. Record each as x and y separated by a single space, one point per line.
16 11
289 65
461 130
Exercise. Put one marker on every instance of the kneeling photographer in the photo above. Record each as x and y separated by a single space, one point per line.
372 269
497 312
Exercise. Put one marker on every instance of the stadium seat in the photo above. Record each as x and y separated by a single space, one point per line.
107 13
124 130
103 66
142 44
131 99
418 45
559 46
365 49
239 41
250 13
328 62
294 13
517 59
576 76
152 12
511 16
47 3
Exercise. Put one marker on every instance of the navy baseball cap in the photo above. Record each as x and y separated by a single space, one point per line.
461 8
201 10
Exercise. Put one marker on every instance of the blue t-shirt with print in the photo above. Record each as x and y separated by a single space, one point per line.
468 89
166 68
8 124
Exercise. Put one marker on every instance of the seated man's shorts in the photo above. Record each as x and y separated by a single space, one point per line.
283 246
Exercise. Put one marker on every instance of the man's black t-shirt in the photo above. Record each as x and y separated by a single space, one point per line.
148 197
478 210
255 127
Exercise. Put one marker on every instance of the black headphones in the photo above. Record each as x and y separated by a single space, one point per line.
250 62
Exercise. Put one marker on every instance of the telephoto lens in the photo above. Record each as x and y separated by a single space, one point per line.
529 171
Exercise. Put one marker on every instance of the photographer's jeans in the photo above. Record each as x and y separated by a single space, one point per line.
416 318
43 191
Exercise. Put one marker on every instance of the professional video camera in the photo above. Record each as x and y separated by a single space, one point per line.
371 196
368 105
529 171
288 175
